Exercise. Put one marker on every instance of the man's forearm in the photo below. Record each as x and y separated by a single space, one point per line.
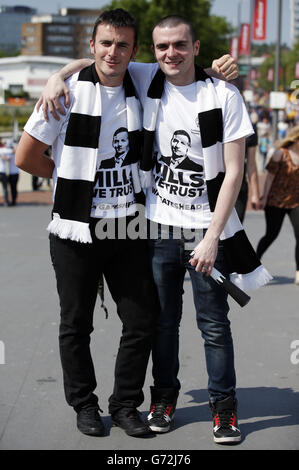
253 174
74 67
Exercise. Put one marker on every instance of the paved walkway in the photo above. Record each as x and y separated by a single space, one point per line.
33 412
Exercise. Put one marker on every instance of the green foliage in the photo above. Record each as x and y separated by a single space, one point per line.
259 50
12 53
291 58
9 113
21 94
213 31
288 59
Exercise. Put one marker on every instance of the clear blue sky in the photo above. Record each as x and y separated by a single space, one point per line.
227 8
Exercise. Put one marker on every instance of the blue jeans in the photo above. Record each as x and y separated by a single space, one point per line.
169 260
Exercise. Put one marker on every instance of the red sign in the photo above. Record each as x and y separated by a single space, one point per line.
16 101
41 82
234 48
259 20
245 39
297 70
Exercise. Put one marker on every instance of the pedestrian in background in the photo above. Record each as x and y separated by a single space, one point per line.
264 144
281 193
3 175
13 172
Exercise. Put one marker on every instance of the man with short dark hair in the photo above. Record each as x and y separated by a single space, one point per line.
103 100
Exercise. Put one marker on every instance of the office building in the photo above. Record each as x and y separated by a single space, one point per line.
11 19
66 34
294 30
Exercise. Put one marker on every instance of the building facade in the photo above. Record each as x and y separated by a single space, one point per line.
28 73
294 5
66 34
11 19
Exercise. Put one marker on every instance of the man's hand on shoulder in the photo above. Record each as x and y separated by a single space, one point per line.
49 98
56 87
225 68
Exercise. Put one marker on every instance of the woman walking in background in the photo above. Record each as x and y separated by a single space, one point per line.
281 193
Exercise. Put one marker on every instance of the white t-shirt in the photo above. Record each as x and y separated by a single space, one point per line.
113 190
8 152
12 168
178 195
263 128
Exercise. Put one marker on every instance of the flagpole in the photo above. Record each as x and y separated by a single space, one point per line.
250 41
277 68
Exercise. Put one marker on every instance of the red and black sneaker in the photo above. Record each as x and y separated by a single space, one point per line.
160 417
162 409
225 421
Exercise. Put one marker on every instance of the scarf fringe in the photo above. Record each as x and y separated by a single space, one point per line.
252 281
70 229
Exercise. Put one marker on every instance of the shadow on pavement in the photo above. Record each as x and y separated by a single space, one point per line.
281 280
27 204
268 406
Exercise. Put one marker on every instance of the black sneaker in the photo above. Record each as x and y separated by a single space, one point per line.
162 409
89 421
130 421
225 422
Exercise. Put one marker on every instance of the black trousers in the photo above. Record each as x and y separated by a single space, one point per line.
126 269
274 218
3 180
13 182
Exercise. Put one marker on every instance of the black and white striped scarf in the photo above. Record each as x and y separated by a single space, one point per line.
246 270
76 167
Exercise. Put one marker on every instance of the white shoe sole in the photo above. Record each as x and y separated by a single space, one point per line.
159 430
227 440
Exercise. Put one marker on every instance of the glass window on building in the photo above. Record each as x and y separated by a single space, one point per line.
60 49
64 29
59 38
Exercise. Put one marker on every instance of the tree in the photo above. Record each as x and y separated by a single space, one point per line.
288 61
292 57
213 31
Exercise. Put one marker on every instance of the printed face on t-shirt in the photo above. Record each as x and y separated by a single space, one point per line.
180 144
120 141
